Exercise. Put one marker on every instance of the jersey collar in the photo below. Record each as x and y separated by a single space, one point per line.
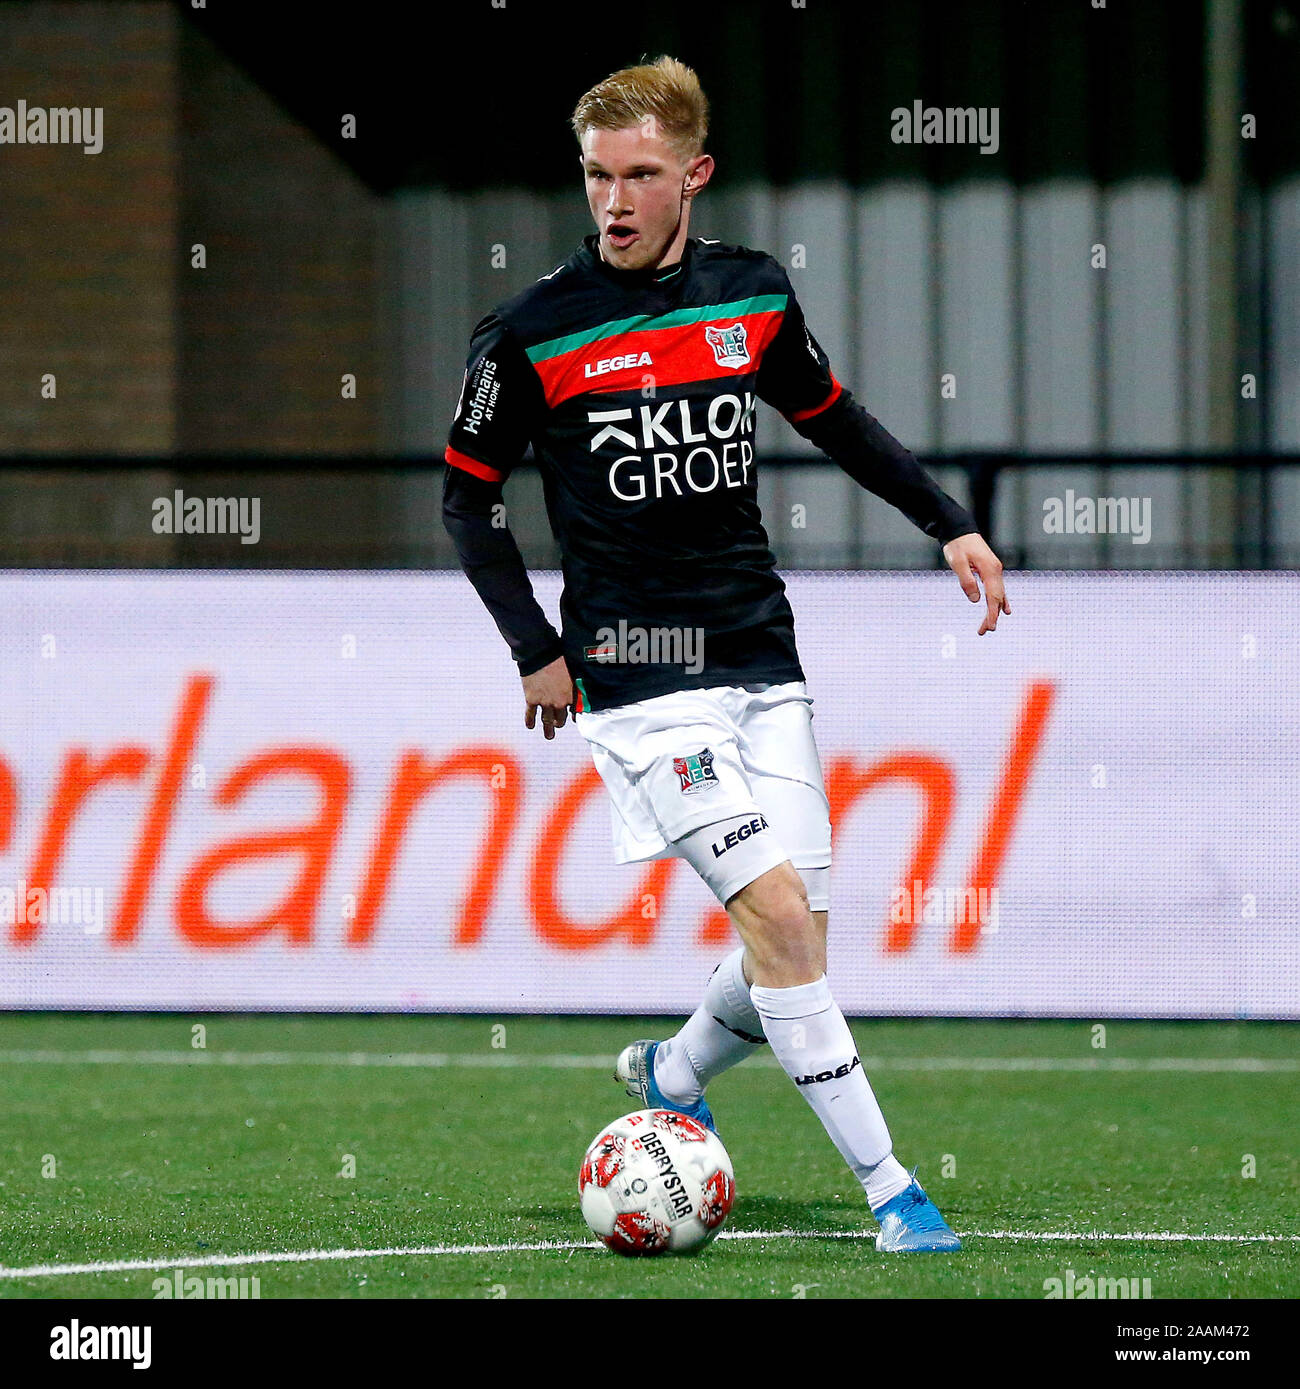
658 278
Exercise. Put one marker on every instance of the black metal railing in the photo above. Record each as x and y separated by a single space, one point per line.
1220 511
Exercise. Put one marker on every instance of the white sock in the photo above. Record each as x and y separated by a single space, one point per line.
815 1047
722 1031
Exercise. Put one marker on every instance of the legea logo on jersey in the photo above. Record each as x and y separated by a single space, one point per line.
606 364
696 771
728 345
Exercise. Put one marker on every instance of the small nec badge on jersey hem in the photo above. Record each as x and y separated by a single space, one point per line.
728 344
696 771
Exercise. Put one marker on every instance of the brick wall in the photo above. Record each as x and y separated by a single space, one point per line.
150 356
87 240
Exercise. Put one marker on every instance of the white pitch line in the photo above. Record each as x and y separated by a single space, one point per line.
306 1256
501 1060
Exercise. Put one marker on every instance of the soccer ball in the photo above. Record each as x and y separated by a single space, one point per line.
656 1182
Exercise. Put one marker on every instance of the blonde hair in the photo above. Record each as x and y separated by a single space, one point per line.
664 96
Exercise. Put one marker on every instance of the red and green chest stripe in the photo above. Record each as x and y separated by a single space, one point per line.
691 344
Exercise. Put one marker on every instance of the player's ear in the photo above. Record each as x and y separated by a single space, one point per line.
698 173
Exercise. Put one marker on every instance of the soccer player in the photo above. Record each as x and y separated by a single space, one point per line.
633 370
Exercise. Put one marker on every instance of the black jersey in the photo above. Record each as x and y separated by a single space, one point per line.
637 391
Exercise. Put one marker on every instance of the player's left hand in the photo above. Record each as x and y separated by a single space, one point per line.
969 556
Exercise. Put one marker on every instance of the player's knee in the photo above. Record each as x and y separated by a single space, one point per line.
783 962
774 918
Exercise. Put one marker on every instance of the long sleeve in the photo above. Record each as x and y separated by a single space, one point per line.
492 563
499 406
874 459
796 378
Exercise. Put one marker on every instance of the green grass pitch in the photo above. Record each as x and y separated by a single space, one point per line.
155 1152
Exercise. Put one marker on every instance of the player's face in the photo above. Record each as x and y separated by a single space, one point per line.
634 189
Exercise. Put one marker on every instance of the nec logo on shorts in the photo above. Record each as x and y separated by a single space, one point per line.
696 771
837 1074
739 836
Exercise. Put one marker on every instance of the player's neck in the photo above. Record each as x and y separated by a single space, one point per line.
665 267
675 250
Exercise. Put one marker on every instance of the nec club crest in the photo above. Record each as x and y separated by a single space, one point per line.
696 772
728 345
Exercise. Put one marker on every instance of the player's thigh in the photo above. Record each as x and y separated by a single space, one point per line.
784 772
749 870
734 854
800 816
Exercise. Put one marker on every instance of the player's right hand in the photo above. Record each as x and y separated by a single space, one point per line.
550 690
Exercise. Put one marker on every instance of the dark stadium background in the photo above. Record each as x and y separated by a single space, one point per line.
372 255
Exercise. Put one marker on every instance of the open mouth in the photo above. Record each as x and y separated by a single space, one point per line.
621 237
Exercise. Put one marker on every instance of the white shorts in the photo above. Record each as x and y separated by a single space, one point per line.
678 762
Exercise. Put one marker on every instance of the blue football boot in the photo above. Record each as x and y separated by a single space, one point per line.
911 1224
635 1067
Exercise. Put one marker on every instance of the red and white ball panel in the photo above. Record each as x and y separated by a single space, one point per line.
656 1182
